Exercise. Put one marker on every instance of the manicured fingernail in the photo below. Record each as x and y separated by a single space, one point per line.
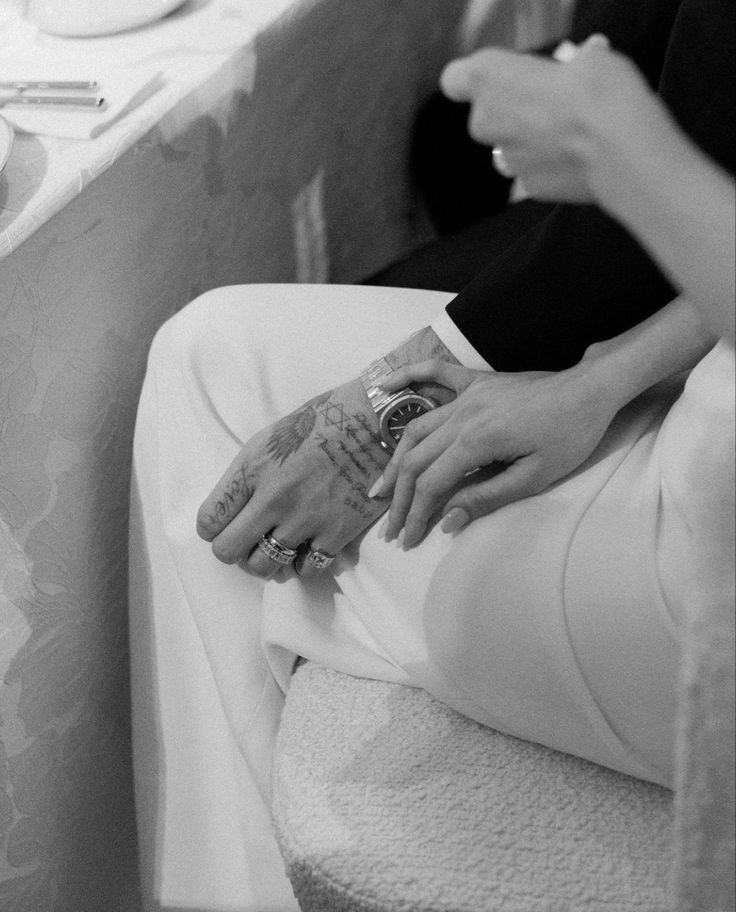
400 539
413 535
565 51
455 520
382 528
598 40
376 487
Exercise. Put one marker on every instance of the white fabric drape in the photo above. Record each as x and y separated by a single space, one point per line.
554 619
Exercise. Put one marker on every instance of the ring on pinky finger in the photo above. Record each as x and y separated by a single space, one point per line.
320 560
312 557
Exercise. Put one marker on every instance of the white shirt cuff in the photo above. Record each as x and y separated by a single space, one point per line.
455 341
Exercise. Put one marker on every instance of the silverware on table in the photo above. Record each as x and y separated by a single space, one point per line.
72 84
25 92
69 101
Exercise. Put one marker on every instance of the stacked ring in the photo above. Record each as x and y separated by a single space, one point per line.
275 551
319 560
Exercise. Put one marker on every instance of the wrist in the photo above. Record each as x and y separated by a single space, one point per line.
349 411
424 345
393 408
602 380
669 342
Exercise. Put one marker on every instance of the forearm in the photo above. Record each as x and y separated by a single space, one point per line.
610 375
678 203
671 341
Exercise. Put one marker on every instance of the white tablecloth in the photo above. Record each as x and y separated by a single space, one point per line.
188 49
281 158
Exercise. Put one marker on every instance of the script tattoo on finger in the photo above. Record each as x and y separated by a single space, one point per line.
237 491
290 432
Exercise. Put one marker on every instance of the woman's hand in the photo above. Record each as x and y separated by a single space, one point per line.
547 117
591 130
505 437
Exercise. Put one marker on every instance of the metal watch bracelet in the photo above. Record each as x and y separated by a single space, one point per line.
370 377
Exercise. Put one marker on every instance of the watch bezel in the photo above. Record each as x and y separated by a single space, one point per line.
388 441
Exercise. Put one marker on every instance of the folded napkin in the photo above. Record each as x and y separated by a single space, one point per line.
130 67
123 91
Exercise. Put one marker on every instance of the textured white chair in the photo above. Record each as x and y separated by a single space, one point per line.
387 801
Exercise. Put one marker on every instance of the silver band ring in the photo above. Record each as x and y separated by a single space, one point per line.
500 163
318 559
275 551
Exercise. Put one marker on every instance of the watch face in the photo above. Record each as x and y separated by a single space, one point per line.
397 417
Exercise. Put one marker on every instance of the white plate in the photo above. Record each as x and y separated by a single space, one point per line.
85 18
6 142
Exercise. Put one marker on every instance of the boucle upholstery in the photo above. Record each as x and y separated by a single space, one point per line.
387 801
705 757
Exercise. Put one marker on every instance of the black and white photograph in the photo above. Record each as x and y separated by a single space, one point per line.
367 455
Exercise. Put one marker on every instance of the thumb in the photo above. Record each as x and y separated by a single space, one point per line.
518 481
456 78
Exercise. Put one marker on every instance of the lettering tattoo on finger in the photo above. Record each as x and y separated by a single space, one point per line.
237 492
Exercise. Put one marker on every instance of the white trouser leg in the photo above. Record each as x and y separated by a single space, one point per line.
206 706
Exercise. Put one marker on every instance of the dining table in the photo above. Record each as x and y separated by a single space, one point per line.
241 141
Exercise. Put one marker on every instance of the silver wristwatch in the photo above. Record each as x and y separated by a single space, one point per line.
394 410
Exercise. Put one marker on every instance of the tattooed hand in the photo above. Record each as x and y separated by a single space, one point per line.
306 478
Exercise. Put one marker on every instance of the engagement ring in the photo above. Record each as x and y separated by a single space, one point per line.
500 163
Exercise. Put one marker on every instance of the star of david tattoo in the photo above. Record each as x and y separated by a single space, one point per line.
334 415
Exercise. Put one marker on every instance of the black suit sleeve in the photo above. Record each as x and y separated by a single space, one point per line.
576 276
